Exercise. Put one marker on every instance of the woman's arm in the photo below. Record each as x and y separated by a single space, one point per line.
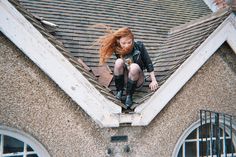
153 85
149 66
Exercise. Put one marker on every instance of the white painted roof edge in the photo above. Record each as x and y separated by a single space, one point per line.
31 42
149 109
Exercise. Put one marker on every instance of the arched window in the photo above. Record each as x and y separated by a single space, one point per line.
15 143
197 142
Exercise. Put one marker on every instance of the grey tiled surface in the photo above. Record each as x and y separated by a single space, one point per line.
150 21
59 45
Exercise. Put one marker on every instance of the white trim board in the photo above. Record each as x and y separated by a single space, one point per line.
31 42
225 32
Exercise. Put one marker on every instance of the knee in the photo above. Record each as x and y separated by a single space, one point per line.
134 69
119 63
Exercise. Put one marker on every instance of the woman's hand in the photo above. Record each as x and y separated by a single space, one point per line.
153 85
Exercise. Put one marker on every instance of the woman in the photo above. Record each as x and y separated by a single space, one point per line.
132 59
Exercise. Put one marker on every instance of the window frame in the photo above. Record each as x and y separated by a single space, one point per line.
25 138
183 138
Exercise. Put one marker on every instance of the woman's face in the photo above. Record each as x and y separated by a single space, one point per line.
126 44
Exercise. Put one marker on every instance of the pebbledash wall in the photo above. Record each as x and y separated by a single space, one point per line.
34 104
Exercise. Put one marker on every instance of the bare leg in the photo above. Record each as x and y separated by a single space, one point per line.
135 78
119 67
136 74
119 77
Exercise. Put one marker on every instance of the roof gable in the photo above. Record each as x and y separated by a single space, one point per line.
106 112
149 20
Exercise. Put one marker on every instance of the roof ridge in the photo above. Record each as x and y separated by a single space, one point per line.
203 19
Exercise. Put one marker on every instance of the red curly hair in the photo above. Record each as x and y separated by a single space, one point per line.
109 43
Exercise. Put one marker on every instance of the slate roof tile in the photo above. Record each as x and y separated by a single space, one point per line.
104 75
59 45
151 22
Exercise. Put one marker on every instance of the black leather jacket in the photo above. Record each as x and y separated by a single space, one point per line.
140 56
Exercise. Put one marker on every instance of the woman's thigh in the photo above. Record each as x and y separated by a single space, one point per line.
138 72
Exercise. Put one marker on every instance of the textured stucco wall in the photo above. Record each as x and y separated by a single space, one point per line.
31 102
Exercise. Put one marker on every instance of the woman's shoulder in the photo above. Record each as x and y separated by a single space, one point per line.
139 44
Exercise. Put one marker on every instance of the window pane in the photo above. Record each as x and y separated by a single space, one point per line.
228 146
204 148
217 147
204 131
226 134
214 148
32 155
221 146
29 149
180 152
217 130
190 149
12 145
193 135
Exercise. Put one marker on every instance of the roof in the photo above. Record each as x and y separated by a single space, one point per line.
180 44
150 22
77 62
174 59
234 5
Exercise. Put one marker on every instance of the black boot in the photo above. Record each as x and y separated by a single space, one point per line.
119 82
131 85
